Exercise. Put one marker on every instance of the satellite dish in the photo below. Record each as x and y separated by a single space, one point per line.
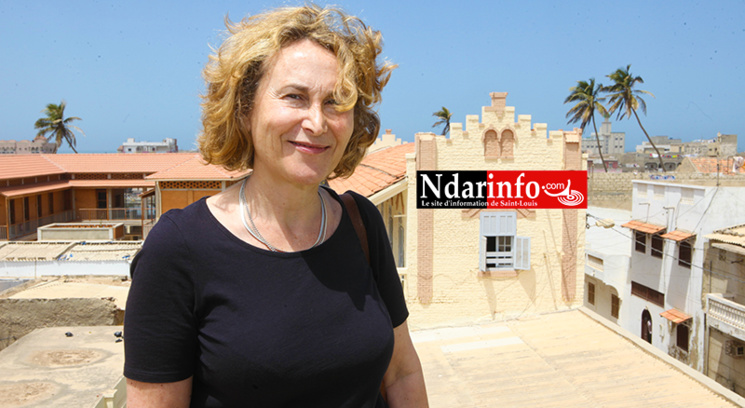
737 163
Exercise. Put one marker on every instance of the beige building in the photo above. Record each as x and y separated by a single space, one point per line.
38 145
725 307
447 277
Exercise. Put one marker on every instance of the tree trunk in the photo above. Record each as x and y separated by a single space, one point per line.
659 156
597 138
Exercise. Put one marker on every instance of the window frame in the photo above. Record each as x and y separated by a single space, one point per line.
682 336
495 224
640 245
615 305
591 293
657 240
689 254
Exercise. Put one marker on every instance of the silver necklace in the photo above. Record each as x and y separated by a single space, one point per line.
255 231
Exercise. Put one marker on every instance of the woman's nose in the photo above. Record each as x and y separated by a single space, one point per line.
316 122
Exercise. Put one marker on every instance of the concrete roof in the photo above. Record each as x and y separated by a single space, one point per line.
563 359
46 368
62 289
68 250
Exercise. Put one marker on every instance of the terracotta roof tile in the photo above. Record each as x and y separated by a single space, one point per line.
27 165
377 171
677 235
195 169
643 227
118 162
675 316
709 165
27 189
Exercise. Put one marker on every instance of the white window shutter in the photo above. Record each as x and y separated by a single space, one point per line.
522 253
482 253
507 224
489 223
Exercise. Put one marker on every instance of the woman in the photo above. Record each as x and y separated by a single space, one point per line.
261 295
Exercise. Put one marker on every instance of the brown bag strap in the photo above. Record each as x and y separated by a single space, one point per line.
359 225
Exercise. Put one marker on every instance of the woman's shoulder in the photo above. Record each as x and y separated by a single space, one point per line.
180 221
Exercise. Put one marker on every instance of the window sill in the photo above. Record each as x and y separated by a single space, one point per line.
504 273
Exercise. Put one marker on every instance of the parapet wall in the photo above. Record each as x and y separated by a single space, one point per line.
613 190
19 317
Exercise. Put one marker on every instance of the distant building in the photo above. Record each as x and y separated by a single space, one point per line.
722 146
611 143
664 144
38 145
168 145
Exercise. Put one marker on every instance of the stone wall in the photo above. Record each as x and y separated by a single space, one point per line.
19 317
613 190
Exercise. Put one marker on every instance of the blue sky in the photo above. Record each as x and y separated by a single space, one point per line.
133 69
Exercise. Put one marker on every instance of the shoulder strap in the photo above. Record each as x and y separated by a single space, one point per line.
359 225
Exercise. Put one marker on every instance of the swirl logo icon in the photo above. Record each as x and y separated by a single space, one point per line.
567 196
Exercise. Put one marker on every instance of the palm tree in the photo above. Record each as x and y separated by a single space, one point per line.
587 96
626 100
58 126
444 116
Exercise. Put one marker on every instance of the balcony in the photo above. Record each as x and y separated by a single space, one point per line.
24 229
725 315
115 214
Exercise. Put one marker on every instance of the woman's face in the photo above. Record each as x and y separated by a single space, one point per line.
298 135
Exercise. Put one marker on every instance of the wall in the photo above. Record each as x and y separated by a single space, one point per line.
603 301
63 268
85 198
19 317
724 369
730 269
613 190
171 199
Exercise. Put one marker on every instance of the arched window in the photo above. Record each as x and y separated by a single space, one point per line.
507 144
491 145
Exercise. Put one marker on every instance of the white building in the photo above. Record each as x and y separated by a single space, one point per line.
663 298
168 145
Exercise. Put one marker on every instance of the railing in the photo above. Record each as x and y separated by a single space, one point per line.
726 311
29 227
129 214
146 227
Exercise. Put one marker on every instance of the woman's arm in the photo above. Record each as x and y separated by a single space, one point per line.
404 380
158 395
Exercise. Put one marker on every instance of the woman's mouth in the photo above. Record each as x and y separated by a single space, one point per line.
309 148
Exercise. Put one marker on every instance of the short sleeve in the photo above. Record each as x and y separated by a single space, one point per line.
160 340
382 261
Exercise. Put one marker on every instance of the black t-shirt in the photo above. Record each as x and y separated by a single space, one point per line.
263 329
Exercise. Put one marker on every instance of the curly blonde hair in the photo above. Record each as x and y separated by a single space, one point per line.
234 71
